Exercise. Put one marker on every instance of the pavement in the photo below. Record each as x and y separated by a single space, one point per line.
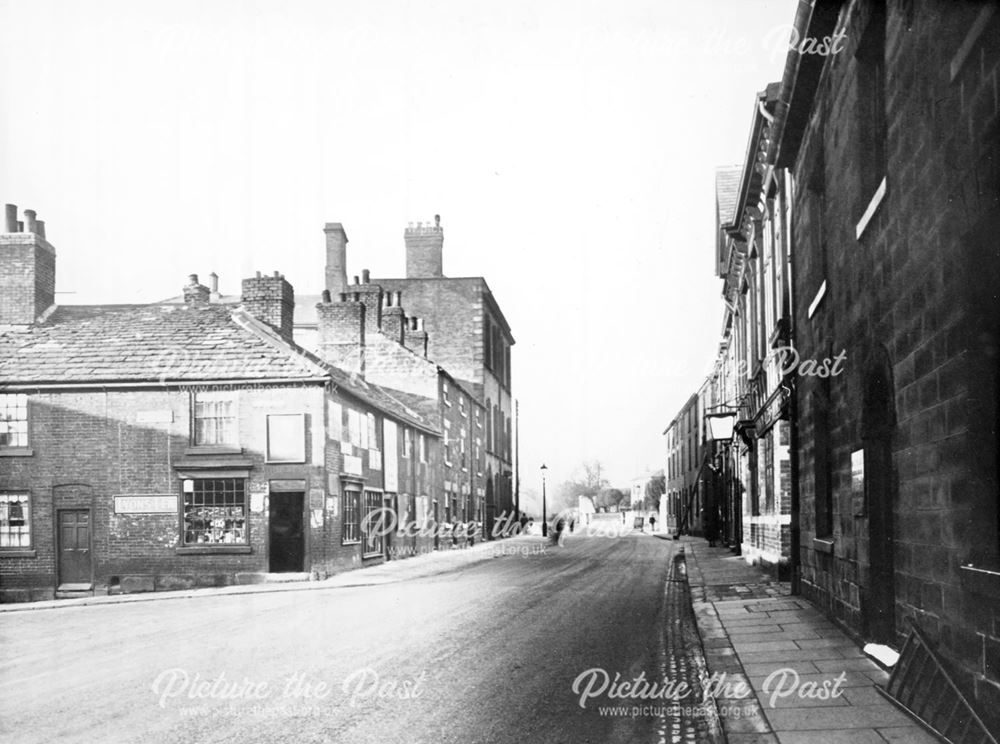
811 682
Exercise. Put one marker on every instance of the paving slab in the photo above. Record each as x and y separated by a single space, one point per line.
811 682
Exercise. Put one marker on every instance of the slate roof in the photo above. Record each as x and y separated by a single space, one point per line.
727 187
170 343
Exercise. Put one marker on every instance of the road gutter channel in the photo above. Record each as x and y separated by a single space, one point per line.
722 659
697 656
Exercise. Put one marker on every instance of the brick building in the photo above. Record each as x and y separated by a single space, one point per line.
455 323
685 455
893 143
753 261
147 447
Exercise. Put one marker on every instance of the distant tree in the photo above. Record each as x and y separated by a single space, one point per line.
655 487
585 481
608 497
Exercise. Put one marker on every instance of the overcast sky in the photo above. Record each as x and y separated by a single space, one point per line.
569 147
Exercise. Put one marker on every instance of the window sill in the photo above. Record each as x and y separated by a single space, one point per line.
213 550
369 556
285 462
822 545
16 452
982 581
17 553
350 542
870 210
213 449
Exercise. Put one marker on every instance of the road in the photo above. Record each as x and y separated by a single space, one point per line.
481 652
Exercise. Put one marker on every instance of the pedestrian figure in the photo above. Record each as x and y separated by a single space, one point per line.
652 524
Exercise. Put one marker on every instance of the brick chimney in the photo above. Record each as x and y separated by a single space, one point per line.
271 299
414 336
423 249
341 326
393 317
371 295
336 258
195 293
27 269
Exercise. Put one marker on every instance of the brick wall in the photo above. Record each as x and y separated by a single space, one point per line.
913 295
27 277
271 299
89 447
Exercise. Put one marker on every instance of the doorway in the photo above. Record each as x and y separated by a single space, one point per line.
286 532
75 560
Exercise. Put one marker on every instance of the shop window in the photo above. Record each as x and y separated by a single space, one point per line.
13 420
215 512
15 520
215 418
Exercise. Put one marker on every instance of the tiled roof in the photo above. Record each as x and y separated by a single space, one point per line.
140 343
727 186
167 343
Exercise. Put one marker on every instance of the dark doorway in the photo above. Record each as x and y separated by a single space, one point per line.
880 608
74 547
287 536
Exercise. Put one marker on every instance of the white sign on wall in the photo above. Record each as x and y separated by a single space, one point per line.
145 504
389 461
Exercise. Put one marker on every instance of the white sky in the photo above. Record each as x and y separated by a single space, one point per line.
569 147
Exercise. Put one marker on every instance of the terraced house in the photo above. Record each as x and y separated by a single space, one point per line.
187 443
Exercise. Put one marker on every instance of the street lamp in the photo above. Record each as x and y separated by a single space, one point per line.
720 428
545 523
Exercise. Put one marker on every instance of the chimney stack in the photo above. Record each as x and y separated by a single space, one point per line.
371 295
393 318
414 336
27 269
342 331
271 299
424 245
213 285
195 293
336 257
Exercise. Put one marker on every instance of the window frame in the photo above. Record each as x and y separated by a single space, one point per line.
350 503
207 396
18 550
371 547
5 421
217 546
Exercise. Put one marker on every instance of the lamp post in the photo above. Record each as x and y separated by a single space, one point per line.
545 520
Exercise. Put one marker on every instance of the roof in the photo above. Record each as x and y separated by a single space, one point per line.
144 343
171 344
727 186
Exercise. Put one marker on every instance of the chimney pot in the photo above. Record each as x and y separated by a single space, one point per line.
356 280
437 220
365 276
214 282
326 296
398 302
10 213
343 296
40 228
29 220
192 279
277 275
258 275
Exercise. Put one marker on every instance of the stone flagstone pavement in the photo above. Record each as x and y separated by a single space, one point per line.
757 633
